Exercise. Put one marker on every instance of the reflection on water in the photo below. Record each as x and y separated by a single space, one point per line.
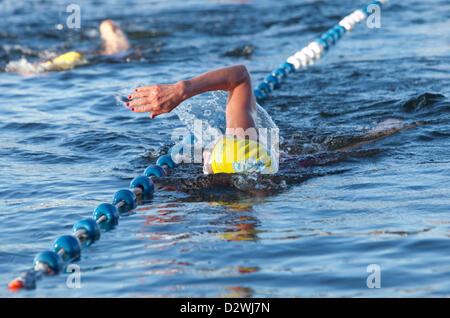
237 224
242 226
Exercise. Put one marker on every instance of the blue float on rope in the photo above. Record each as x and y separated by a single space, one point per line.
143 182
111 214
127 197
328 39
70 245
288 67
259 94
279 72
324 43
273 81
156 171
50 259
332 36
166 160
91 228
341 29
266 88
336 32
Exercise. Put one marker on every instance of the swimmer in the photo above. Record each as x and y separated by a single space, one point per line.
238 151
114 39
114 42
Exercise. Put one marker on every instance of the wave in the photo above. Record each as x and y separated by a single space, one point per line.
425 100
24 67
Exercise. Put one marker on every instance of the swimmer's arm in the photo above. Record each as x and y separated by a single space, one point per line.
224 79
160 99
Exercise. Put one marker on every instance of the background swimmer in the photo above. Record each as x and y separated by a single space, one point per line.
114 41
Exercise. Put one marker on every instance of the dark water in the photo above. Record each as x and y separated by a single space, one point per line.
67 144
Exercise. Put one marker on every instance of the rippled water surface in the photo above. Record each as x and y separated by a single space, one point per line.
67 143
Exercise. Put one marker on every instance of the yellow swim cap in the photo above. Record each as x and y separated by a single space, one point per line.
232 154
65 61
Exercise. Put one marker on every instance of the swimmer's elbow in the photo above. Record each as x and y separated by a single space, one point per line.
245 76
240 76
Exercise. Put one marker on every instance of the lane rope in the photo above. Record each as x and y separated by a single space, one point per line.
313 51
67 248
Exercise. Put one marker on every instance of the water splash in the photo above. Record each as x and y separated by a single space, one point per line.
24 67
210 111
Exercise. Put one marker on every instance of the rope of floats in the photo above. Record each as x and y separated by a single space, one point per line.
313 51
67 248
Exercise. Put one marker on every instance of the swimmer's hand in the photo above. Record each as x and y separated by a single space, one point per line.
157 99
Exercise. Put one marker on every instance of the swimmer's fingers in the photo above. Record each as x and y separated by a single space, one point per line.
140 102
155 113
148 108
143 109
145 88
141 94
